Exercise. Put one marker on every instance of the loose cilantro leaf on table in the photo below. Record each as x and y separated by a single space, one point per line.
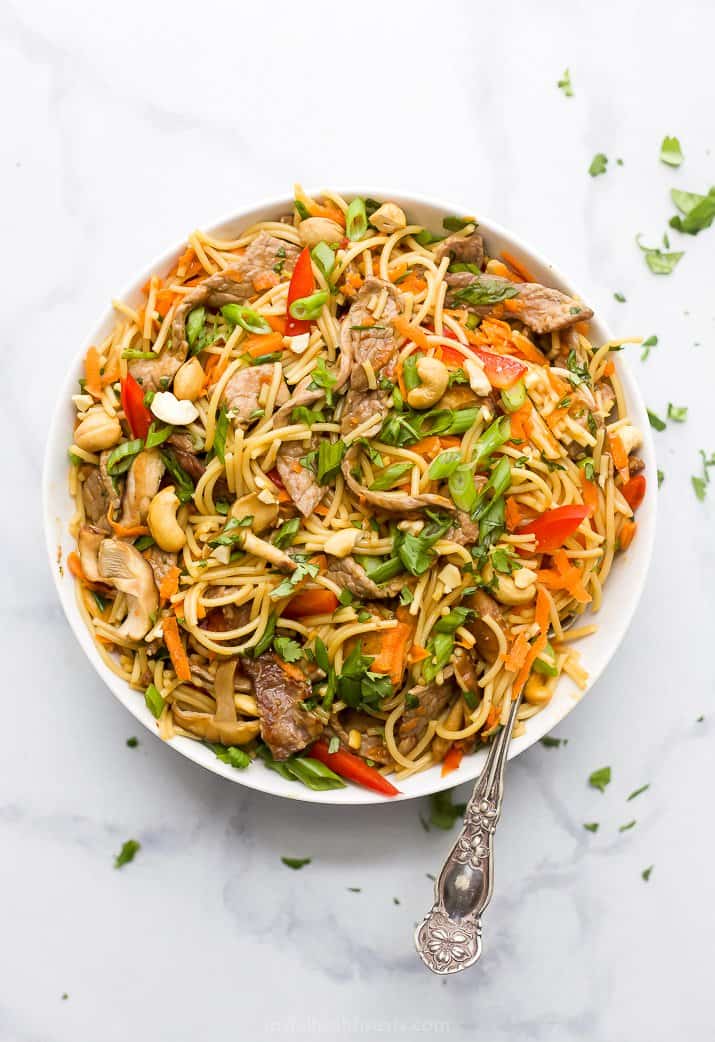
660 263
671 152
126 854
600 778
598 165
564 84
698 211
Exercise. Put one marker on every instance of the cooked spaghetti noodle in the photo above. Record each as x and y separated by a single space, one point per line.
342 486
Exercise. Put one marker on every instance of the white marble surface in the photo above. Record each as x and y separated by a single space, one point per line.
127 124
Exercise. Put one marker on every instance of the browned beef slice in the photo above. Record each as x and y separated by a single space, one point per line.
155 374
363 405
377 343
299 481
543 310
466 249
464 531
372 746
433 699
348 574
95 498
186 455
161 563
280 690
242 391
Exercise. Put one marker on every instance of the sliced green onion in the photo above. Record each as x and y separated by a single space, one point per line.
356 220
491 524
120 459
324 258
220 433
305 309
453 620
494 436
130 353
444 464
245 317
157 437
545 664
462 488
390 476
154 701
514 397
143 543
195 324
385 571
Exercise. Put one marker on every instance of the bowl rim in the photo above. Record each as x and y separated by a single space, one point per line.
264 780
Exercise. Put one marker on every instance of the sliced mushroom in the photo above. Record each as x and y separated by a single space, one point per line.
142 485
89 540
223 724
123 567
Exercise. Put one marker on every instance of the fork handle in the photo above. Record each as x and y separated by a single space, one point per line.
449 938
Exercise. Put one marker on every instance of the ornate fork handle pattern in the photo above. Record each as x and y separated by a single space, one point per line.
449 938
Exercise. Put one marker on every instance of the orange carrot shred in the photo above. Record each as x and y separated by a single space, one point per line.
175 646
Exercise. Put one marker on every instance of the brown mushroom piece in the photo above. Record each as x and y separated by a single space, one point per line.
486 641
143 480
122 566
223 725
89 540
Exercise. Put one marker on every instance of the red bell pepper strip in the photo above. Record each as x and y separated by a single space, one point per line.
302 284
138 416
452 760
553 527
502 371
353 768
634 491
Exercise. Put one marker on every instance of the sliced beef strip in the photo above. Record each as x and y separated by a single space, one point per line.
224 617
372 746
361 406
299 482
635 465
186 455
349 575
280 690
543 310
467 249
243 390
464 531
95 498
486 641
155 374
115 500
433 699
378 343
234 286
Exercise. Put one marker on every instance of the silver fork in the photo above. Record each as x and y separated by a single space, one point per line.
449 938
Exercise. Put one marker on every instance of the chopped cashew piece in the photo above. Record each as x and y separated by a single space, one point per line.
524 577
167 408
82 402
297 344
435 380
450 577
264 514
98 431
478 379
389 218
631 438
123 567
340 544
162 520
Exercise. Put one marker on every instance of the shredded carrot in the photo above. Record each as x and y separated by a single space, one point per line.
589 492
258 344
626 534
414 283
512 514
215 368
496 267
333 213
452 760
565 576
520 423
542 613
492 718
125 532
609 368
184 261
582 328
164 299
92 374
525 349
75 566
277 323
111 375
516 656
393 652
398 271
518 267
321 510
170 584
559 385
417 654
175 646
513 305
620 456
429 447
265 280
413 333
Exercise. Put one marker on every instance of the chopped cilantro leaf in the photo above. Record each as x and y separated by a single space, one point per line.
659 263
678 413
564 84
591 826
671 152
126 854
296 862
645 874
637 792
598 164
600 778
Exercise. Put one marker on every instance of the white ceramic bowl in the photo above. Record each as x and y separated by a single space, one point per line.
622 592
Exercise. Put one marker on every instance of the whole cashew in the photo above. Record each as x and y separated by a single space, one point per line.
162 521
319 229
435 379
507 592
98 430
538 690
189 380
389 218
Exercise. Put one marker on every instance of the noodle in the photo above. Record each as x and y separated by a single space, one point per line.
368 518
